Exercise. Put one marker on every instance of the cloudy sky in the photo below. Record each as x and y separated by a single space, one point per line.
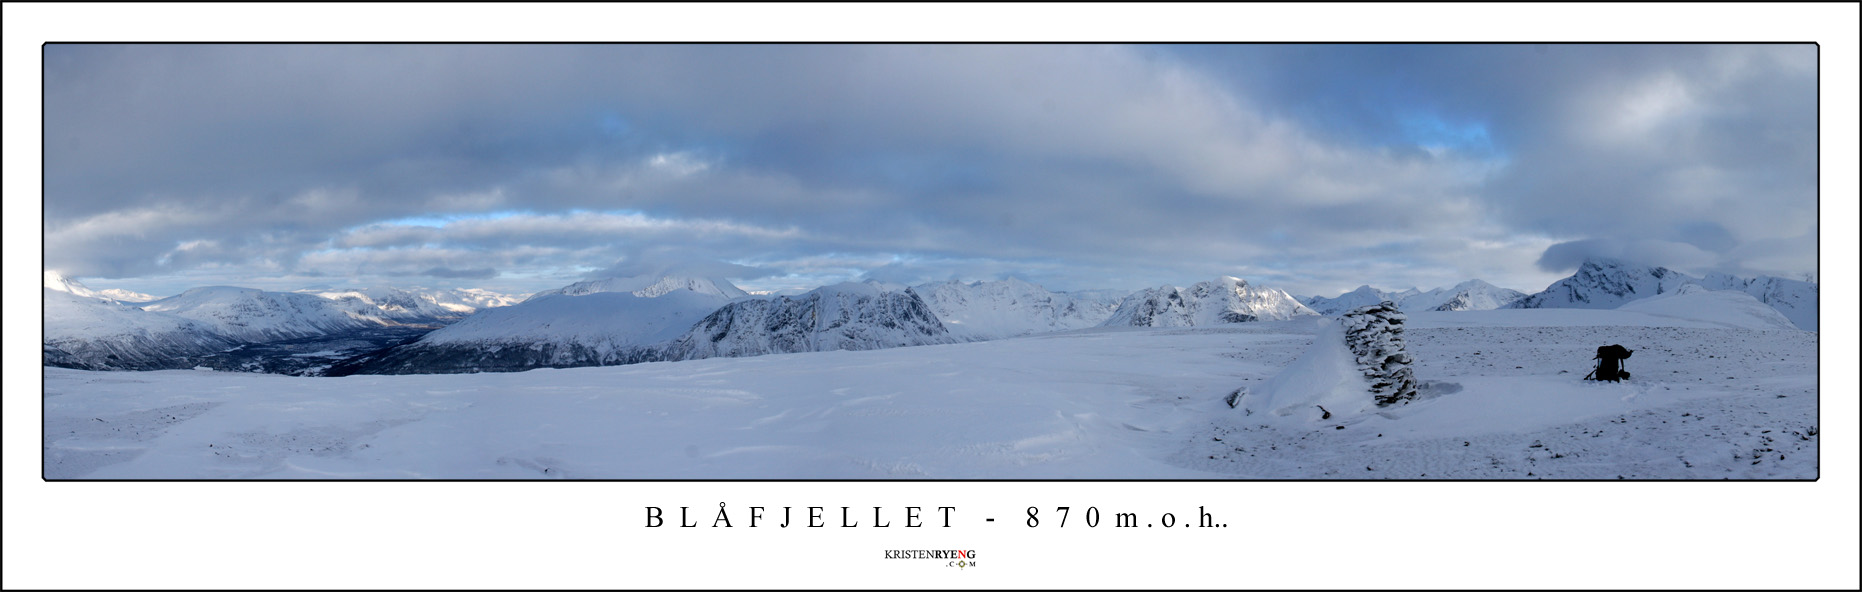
1313 168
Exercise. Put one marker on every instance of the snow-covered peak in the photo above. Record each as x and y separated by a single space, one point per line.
1223 300
1605 283
1349 301
57 281
1476 295
649 287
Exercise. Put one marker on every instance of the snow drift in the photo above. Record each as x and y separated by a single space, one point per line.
1735 310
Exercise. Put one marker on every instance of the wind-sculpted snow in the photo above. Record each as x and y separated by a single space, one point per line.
842 317
1225 300
1795 299
1011 308
1732 309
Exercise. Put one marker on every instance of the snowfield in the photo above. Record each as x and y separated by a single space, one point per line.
1502 399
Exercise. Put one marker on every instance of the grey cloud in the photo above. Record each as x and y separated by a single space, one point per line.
672 260
1089 164
471 274
1566 256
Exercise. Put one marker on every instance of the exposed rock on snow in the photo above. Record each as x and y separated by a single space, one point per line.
1375 335
1225 300
1355 364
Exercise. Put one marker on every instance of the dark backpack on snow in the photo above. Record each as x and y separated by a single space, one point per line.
1610 363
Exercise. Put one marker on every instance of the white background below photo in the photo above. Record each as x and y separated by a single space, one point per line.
592 534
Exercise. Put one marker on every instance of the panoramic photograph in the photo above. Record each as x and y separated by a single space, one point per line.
1175 262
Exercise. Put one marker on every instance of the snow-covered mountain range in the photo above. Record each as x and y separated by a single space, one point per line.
633 320
415 306
1611 283
1468 295
1605 283
1223 300
258 316
653 318
558 329
1012 307
88 328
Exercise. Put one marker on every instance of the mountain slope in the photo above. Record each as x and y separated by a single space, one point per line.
1224 300
1349 301
1728 308
842 317
585 324
95 334
1795 299
250 315
1605 283
1011 307
1472 295
414 306
1608 283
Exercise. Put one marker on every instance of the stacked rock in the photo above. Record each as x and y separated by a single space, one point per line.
1375 335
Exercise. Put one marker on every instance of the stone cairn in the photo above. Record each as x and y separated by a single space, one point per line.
1375 335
